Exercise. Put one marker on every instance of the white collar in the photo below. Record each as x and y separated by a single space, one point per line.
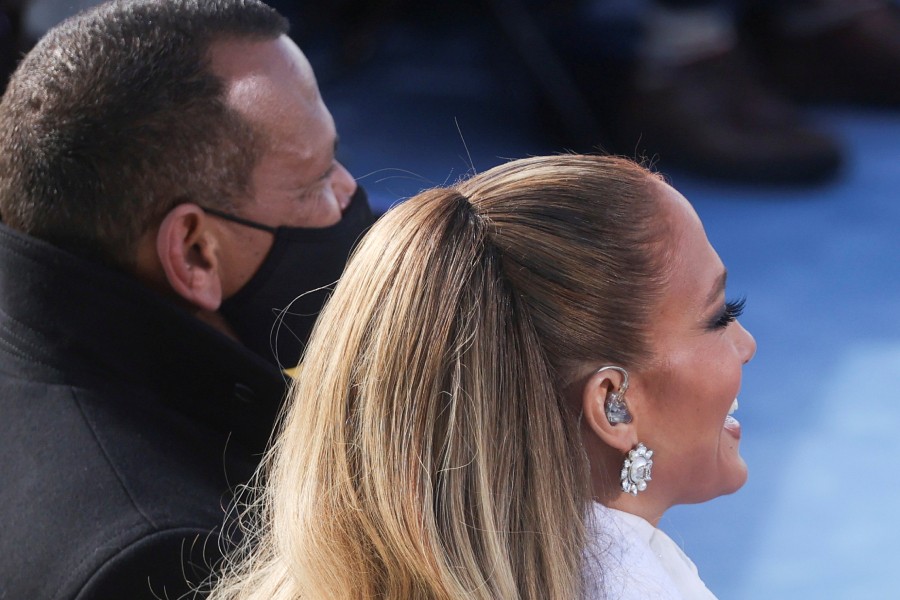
627 558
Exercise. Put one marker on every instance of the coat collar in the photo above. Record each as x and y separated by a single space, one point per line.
67 320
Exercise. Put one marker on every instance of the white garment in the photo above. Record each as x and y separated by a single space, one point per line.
627 558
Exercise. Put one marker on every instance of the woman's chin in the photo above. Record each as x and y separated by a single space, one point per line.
732 475
735 476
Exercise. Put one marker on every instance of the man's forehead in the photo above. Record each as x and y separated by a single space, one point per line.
266 80
240 62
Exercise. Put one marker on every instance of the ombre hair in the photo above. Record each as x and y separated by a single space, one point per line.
428 450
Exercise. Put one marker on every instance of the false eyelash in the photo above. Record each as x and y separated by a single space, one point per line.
733 310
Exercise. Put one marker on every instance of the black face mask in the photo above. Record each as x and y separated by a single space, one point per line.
273 314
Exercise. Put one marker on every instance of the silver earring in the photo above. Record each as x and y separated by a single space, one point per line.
636 470
614 405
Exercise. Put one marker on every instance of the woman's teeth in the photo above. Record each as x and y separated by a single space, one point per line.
731 424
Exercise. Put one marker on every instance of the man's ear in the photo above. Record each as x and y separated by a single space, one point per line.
597 389
188 251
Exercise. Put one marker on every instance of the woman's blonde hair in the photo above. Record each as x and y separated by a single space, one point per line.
428 451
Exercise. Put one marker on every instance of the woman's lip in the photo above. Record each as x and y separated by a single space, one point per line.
733 427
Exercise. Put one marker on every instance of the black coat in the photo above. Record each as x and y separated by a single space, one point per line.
125 424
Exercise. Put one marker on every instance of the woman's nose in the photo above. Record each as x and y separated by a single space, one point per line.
747 343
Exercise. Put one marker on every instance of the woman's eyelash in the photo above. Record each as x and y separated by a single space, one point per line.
733 310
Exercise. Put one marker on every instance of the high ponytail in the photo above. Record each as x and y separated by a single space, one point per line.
428 451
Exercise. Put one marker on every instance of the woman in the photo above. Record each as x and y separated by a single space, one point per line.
486 392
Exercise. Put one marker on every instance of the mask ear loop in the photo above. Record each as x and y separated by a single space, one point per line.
238 220
614 405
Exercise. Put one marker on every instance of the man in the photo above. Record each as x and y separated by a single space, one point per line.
168 183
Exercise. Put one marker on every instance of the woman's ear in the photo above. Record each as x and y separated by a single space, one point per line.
187 250
605 408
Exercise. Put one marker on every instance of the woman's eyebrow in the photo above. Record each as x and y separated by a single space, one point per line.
718 288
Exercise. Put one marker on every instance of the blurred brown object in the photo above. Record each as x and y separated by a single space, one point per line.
714 117
856 61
